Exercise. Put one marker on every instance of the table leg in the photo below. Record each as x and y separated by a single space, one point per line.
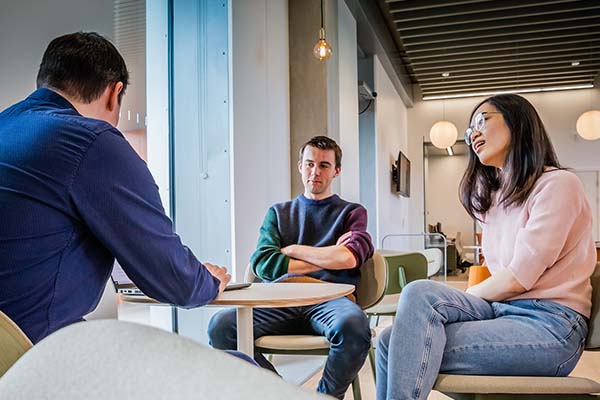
245 331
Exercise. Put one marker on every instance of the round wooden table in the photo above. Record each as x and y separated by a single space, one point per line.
266 295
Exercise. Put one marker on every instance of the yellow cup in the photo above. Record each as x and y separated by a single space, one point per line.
477 274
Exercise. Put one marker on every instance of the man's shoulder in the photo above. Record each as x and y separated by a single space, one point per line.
350 204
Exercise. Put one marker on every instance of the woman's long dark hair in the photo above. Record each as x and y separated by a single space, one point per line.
530 150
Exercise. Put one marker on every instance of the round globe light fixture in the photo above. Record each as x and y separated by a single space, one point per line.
443 134
588 125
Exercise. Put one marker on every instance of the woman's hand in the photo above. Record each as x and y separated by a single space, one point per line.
500 286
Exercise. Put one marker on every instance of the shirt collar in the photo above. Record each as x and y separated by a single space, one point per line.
50 96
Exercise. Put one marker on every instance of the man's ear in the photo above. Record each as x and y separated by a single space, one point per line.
113 96
337 171
300 167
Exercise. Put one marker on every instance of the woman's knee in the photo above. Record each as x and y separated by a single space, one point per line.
422 291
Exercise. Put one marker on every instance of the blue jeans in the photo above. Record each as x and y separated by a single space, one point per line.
441 329
341 321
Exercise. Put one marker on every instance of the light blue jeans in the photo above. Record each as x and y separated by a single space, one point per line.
442 329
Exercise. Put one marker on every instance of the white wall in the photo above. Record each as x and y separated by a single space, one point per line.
559 111
391 137
442 199
346 98
260 112
26 28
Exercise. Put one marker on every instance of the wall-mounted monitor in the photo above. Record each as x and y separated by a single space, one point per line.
401 175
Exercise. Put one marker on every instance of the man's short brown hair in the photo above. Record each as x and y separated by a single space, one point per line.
323 143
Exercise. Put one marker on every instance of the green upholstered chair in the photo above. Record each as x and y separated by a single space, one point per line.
402 267
13 343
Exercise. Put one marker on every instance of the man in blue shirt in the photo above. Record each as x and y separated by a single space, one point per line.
74 195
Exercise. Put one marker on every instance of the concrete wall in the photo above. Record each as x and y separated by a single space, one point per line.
308 82
26 28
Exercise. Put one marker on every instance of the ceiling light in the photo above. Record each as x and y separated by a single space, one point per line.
443 134
492 93
588 125
445 74
574 63
322 49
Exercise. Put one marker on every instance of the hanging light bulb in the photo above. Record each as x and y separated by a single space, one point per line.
588 125
443 134
322 49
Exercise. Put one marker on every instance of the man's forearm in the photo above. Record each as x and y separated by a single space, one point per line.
330 257
301 267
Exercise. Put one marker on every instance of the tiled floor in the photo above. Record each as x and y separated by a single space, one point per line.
589 365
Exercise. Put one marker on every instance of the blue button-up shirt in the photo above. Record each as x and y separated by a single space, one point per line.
73 196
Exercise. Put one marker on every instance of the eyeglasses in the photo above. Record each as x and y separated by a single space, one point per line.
478 125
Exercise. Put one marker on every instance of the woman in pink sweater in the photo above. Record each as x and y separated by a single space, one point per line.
530 316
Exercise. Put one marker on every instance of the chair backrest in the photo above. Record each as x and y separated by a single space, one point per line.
108 359
13 343
434 258
371 287
249 276
593 339
458 243
404 267
373 281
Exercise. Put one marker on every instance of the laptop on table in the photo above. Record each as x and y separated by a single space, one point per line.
124 285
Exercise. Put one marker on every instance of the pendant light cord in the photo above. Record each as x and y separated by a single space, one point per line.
322 27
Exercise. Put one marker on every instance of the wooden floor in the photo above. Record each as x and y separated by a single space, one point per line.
588 367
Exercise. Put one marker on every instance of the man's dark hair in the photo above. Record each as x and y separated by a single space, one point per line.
82 65
324 143
530 151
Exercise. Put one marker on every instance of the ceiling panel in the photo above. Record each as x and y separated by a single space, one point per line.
454 47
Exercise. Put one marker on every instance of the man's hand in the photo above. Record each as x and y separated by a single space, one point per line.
345 238
220 273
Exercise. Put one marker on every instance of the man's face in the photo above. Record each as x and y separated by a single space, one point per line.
318 171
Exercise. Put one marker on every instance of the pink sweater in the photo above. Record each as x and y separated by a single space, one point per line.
546 243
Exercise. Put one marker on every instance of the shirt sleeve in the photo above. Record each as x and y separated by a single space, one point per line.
118 201
267 261
360 243
553 209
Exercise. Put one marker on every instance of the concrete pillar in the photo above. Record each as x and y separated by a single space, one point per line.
308 82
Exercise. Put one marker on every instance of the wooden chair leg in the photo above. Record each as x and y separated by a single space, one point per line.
356 389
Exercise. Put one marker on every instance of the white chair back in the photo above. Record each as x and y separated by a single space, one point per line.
110 359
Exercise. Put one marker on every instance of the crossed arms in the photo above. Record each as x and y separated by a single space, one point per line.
271 260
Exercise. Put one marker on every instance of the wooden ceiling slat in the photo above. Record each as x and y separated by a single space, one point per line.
411 5
544 38
544 70
400 14
515 61
477 26
514 49
508 78
584 5
525 31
